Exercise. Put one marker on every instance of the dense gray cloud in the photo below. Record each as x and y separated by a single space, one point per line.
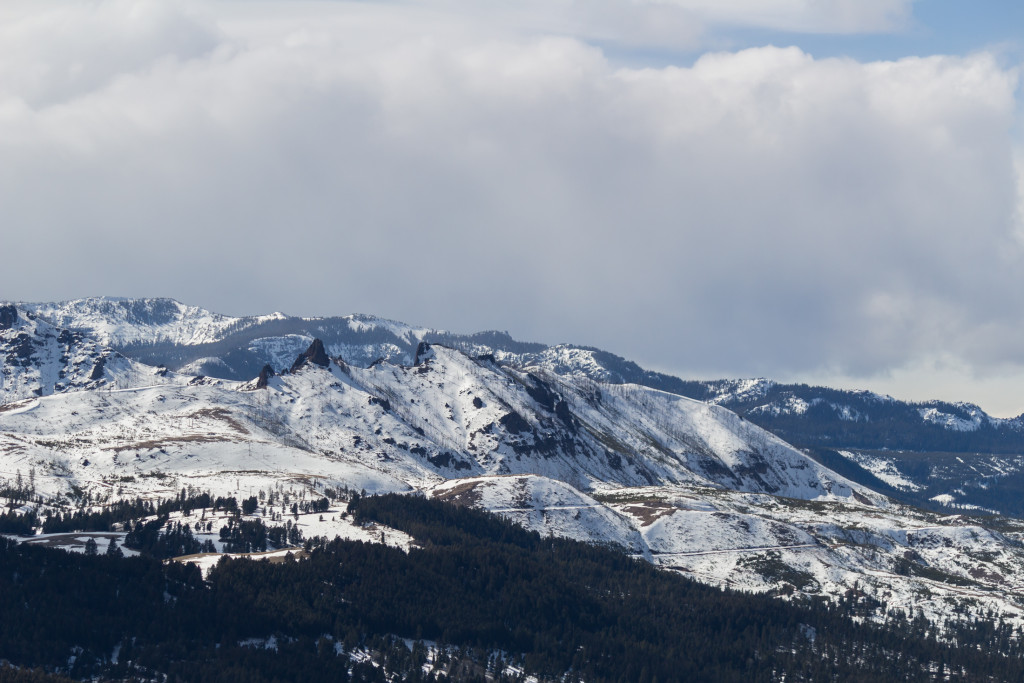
759 212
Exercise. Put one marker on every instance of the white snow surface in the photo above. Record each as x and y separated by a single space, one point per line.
329 524
564 359
976 418
743 389
547 506
884 469
688 485
944 567
39 360
118 321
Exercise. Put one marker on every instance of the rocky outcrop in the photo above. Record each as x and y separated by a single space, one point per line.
265 374
423 352
315 354
8 316
97 370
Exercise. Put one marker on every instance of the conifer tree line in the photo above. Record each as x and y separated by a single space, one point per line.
162 539
477 598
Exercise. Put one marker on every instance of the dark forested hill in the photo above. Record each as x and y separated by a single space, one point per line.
479 599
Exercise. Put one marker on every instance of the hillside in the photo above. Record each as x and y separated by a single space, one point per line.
474 599
537 435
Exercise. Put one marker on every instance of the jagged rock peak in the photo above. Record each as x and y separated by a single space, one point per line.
8 316
315 354
265 374
97 370
423 352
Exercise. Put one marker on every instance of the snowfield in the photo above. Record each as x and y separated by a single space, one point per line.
684 484
117 321
883 469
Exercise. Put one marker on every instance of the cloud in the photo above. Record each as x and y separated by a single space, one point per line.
1018 164
61 51
759 212
805 16
682 24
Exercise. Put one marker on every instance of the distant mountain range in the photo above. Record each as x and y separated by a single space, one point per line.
745 483
922 453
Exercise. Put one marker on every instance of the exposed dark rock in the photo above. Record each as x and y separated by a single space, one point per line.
315 354
862 499
8 316
540 392
713 468
423 352
563 413
21 350
477 402
515 423
67 338
97 370
265 374
447 459
382 402
441 459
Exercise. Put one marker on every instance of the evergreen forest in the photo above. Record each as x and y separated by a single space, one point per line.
477 599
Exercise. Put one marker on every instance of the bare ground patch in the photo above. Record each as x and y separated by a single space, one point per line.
14 405
465 493
648 513
221 415
11 448
156 444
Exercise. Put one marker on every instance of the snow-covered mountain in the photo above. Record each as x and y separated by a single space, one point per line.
448 416
116 321
191 339
859 433
40 359
556 438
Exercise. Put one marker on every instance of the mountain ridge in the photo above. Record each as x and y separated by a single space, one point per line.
860 432
119 322
529 434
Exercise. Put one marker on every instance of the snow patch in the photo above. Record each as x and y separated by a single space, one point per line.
884 469
952 422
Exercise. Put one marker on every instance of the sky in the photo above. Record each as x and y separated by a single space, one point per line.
824 191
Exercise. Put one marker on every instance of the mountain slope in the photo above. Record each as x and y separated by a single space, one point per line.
979 460
527 433
118 321
167 332
39 360
448 416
